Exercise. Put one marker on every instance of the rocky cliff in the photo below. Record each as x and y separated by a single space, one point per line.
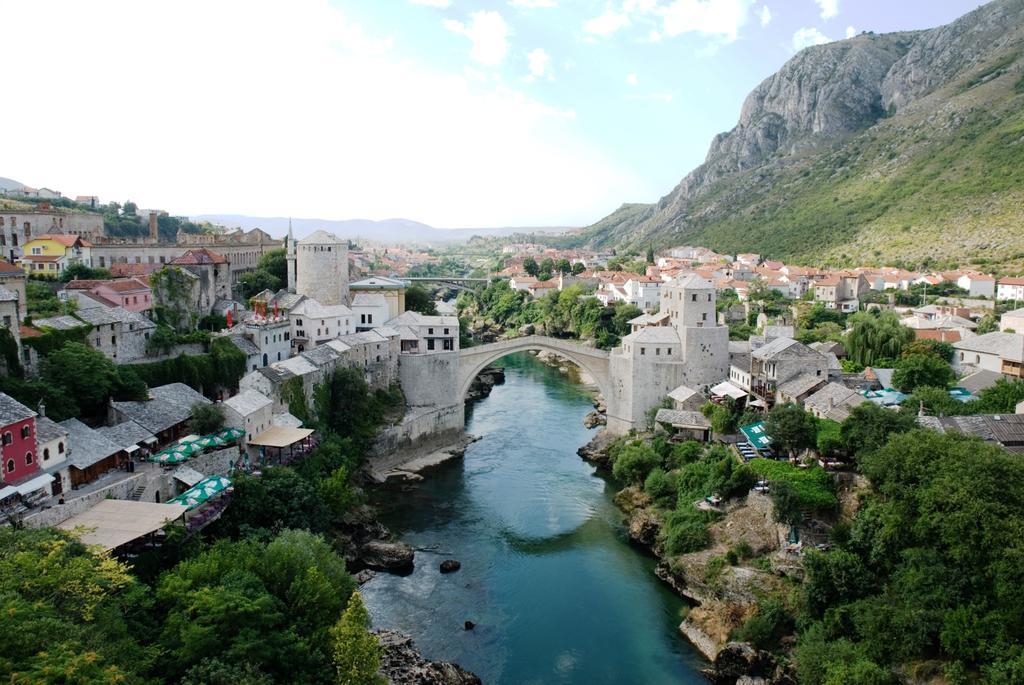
845 150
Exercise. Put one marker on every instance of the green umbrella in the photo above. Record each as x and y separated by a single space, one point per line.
202 491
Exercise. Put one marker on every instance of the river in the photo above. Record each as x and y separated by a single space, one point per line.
557 593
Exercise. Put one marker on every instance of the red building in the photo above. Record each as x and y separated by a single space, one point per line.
17 441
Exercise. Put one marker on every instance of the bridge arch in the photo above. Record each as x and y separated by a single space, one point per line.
473 360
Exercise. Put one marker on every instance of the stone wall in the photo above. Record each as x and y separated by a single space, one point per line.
430 379
59 513
423 430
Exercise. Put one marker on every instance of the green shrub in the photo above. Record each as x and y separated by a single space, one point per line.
661 487
634 463
686 531
766 627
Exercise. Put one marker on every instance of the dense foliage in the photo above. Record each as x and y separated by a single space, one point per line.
569 313
931 568
875 336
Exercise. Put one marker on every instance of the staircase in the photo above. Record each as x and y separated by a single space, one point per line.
138 492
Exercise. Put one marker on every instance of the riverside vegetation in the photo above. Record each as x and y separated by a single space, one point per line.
921 574
261 596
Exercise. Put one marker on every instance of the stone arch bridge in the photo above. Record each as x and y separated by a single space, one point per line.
472 360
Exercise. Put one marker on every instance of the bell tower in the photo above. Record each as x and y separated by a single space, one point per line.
291 258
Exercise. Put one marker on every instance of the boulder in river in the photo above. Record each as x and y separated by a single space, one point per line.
594 419
386 556
365 576
741 662
401 664
450 565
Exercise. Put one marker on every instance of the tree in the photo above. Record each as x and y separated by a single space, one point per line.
634 463
1003 397
547 266
869 427
578 268
987 324
275 262
791 428
876 335
83 373
83 272
921 370
530 266
650 254
563 266
206 418
417 299
257 281
355 651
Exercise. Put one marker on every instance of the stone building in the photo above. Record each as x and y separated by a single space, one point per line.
18 227
391 289
320 268
692 350
13 279
313 324
118 333
423 334
250 411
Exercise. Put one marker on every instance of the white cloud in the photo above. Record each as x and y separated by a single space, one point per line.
489 34
766 15
807 37
719 18
654 36
829 8
442 4
328 103
606 24
540 63
631 79
533 4
850 32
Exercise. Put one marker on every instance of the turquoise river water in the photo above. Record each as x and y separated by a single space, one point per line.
557 593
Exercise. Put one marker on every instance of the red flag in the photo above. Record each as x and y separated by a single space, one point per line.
229 318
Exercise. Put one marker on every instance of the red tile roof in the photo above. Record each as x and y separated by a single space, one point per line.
7 268
27 332
144 270
65 239
199 256
126 285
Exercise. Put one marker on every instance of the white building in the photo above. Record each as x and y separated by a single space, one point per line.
1010 288
249 410
271 336
977 284
642 291
999 351
52 448
422 334
313 324
1012 322
369 310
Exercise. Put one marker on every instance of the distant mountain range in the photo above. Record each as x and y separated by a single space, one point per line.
10 184
385 231
879 148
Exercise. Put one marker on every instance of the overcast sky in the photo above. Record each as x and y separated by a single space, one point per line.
457 113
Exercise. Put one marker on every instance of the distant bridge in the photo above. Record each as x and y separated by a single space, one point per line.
472 360
459 282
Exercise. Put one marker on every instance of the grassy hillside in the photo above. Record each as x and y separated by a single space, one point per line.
940 182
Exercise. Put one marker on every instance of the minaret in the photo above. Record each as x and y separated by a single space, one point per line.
291 258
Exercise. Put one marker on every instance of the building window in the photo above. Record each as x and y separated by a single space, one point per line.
25 430
28 458
46 454
693 297
704 316
10 466
643 351
60 448
430 343
430 331
657 351
668 350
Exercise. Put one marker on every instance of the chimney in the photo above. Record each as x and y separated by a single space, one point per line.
831 402
154 233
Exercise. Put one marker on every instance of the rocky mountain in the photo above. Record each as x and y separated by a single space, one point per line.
902 146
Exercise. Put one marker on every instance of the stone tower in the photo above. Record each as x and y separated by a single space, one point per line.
291 258
321 265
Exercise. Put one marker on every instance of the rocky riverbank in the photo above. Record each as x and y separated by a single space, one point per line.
484 382
402 664
723 595
370 548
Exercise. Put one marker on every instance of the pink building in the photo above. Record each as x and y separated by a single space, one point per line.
130 293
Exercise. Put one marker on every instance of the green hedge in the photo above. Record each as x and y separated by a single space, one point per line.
814 487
